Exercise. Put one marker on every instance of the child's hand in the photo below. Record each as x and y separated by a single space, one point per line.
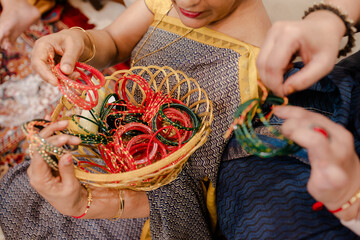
335 166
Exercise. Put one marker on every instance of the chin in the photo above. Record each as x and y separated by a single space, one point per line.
191 23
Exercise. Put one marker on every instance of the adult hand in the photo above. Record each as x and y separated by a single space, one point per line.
64 191
69 44
310 40
16 17
335 166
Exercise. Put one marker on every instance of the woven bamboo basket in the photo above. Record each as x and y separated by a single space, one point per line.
174 83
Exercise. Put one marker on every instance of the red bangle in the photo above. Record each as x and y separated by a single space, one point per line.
114 156
137 144
175 115
148 93
132 126
77 100
177 133
73 89
119 145
77 84
153 105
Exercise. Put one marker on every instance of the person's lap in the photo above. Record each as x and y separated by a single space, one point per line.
24 214
262 198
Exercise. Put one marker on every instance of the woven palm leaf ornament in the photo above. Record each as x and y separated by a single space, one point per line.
243 126
146 123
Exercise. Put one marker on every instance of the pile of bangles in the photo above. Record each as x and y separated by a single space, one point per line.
243 126
130 134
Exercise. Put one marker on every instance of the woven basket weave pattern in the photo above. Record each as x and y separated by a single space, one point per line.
174 83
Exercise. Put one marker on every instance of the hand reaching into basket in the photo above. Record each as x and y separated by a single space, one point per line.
99 47
65 193
69 44
335 166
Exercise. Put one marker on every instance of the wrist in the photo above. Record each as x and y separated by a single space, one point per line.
136 204
343 16
350 213
348 206
83 205
105 203
329 21
352 8
89 50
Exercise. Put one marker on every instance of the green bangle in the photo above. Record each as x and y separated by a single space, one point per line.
193 117
249 140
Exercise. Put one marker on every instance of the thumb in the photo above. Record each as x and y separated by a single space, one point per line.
70 57
66 169
308 75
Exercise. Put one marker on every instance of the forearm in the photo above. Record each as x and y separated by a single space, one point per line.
106 203
351 7
115 43
334 22
106 51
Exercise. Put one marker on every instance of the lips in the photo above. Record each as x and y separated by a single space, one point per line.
189 14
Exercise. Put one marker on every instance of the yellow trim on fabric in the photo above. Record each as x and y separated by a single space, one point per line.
158 6
210 199
145 233
211 205
248 75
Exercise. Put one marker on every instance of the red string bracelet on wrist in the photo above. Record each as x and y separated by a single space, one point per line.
319 205
89 198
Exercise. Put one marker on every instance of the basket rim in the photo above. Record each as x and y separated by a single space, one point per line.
181 155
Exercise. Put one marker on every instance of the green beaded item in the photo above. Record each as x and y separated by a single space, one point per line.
249 139
46 150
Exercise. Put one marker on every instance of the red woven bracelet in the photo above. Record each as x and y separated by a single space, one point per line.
319 205
89 197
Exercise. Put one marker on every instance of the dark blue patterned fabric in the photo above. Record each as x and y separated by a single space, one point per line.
337 95
266 198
